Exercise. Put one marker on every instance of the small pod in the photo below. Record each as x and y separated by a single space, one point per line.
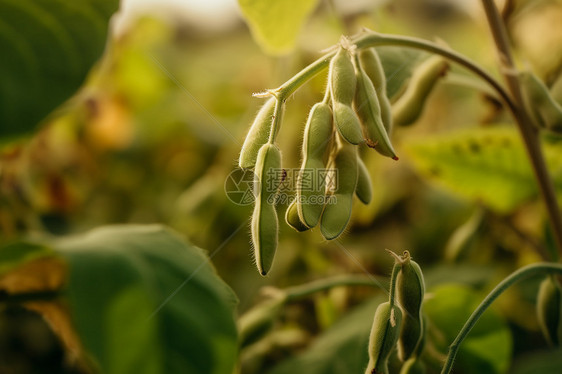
364 189
384 335
410 290
370 62
549 310
258 135
341 77
265 225
413 366
337 211
368 109
292 218
409 106
347 123
342 83
542 107
318 136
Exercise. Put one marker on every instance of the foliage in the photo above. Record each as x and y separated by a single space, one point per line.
144 125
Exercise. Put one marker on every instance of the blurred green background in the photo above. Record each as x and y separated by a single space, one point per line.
156 129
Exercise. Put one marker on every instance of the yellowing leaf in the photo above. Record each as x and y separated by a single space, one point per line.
275 24
484 164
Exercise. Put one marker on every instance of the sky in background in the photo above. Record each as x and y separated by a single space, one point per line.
211 14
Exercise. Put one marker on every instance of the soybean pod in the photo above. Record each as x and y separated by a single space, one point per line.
265 225
368 109
258 134
341 79
384 335
408 108
542 107
370 62
337 211
310 186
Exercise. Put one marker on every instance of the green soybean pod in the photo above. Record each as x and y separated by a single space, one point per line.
265 225
364 189
367 106
410 290
542 107
337 210
413 366
258 134
549 310
341 77
292 218
342 84
408 108
383 338
370 62
318 136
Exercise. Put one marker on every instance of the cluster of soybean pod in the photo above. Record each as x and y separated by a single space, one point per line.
399 322
355 110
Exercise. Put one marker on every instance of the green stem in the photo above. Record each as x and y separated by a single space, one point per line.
528 131
519 275
392 291
372 39
299 292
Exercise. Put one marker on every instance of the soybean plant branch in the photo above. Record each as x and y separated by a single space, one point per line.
526 127
519 275
298 292
372 39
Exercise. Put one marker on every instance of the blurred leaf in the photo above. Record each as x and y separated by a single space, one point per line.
398 64
485 164
487 349
544 362
342 349
15 254
47 47
144 301
275 24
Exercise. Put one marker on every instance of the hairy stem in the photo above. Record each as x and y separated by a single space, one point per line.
298 292
519 275
528 131
372 39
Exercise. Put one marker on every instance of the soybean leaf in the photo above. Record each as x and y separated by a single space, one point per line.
342 349
398 64
275 24
487 349
48 47
489 165
138 298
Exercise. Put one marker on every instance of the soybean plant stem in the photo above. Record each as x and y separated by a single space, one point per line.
298 292
519 275
372 39
528 131
392 291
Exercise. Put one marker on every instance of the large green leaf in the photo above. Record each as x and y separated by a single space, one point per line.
48 47
140 298
144 301
487 349
485 164
342 349
275 24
